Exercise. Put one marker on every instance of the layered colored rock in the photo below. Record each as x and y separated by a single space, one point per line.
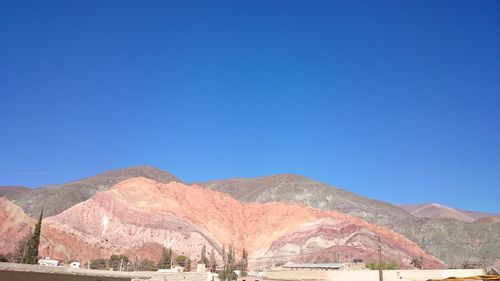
14 225
137 217
444 232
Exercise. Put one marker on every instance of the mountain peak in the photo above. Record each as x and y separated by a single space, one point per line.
146 171
287 177
69 194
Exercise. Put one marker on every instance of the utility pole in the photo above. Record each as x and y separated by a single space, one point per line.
380 272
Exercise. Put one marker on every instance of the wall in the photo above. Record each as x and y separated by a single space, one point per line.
406 275
179 276
370 275
301 274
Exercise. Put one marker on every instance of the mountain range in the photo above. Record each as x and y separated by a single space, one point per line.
454 241
56 198
435 210
298 218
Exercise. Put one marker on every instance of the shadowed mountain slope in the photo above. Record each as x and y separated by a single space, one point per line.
454 242
8 191
295 188
57 198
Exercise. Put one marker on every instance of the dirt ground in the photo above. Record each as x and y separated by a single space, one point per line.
36 276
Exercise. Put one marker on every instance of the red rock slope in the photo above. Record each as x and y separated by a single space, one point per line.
14 225
137 216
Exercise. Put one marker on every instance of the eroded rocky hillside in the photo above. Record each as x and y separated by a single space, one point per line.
138 216
454 241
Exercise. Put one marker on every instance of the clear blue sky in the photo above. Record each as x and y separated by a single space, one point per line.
395 100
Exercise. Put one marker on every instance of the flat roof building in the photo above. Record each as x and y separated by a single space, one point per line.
48 262
315 266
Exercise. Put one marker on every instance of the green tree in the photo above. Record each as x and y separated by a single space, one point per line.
30 255
203 257
187 266
98 264
166 259
3 258
393 265
373 265
227 272
244 263
181 260
116 260
212 261
383 265
145 265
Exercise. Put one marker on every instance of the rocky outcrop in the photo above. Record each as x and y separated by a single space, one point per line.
139 216
14 225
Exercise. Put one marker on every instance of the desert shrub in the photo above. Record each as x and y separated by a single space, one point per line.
98 264
115 261
384 265
181 260
3 258
145 265
416 262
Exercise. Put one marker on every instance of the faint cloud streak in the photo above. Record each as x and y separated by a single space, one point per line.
32 173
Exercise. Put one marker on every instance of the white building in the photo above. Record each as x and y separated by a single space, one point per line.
74 264
314 266
175 269
48 262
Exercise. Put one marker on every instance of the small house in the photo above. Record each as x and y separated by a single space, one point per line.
48 262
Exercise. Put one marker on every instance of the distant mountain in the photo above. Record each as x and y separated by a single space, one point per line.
478 215
435 210
488 220
8 191
139 216
56 198
295 188
453 241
